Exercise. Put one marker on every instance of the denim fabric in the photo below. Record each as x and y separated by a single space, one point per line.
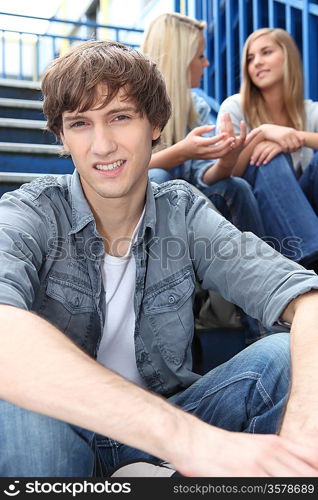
159 175
290 221
246 394
234 199
50 256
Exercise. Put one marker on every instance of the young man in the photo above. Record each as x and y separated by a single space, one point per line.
98 271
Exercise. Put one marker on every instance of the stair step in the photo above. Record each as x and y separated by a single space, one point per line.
17 147
20 177
19 89
20 123
25 84
7 102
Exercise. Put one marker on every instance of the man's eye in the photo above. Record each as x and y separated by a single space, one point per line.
120 118
77 124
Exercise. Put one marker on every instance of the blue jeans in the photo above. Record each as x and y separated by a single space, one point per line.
288 206
246 394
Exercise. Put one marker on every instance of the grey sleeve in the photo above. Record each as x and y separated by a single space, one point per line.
23 240
231 105
242 268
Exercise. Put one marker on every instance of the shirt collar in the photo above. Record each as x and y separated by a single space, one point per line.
82 214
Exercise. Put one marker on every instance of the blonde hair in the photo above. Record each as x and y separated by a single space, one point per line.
252 101
172 41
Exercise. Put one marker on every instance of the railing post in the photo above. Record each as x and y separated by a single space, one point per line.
230 74
305 43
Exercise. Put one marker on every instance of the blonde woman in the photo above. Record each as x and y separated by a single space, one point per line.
187 151
279 163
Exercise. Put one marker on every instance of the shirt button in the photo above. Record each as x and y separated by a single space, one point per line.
76 302
171 299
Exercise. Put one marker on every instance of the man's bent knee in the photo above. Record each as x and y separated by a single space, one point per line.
39 446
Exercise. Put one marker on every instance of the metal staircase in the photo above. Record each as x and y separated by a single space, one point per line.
27 150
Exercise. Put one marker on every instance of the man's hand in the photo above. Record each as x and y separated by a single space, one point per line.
264 152
219 453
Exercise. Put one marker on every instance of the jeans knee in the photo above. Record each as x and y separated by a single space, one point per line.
159 175
273 352
35 445
279 165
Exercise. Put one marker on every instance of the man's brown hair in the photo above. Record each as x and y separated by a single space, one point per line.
70 82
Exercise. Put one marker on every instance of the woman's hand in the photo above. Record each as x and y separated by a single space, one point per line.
196 147
229 156
287 137
264 152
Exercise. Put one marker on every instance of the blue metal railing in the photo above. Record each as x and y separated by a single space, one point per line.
45 46
229 23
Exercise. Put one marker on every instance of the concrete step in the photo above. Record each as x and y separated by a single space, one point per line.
20 177
19 130
7 102
20 89
21 123
21 108
20 103
23 148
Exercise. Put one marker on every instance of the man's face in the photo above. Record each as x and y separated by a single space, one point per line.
110 148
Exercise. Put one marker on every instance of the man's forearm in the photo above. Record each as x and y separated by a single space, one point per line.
43 371
301 417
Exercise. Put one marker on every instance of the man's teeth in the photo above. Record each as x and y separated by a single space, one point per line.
110 166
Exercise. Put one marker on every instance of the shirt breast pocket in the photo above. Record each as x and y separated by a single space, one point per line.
71 309
75 300
169 310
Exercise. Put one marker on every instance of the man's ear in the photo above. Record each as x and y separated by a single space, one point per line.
65 146
156 133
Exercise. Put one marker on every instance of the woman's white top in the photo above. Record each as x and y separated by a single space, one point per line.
301 157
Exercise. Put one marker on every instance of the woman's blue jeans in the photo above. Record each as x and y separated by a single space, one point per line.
288 206
246 394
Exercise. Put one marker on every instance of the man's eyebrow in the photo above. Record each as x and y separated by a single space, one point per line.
124 109
73 117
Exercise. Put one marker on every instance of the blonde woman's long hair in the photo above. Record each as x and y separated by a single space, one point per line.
253 104
172 41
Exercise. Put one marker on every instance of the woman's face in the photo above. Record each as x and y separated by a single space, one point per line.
265 63
198 63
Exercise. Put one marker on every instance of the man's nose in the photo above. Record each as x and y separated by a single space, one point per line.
103 141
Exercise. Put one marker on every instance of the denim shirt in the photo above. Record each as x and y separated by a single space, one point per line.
50 258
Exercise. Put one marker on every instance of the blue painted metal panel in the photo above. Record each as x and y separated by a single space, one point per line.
229 34
231 21
45 164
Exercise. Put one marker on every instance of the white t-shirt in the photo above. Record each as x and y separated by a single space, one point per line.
117 347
